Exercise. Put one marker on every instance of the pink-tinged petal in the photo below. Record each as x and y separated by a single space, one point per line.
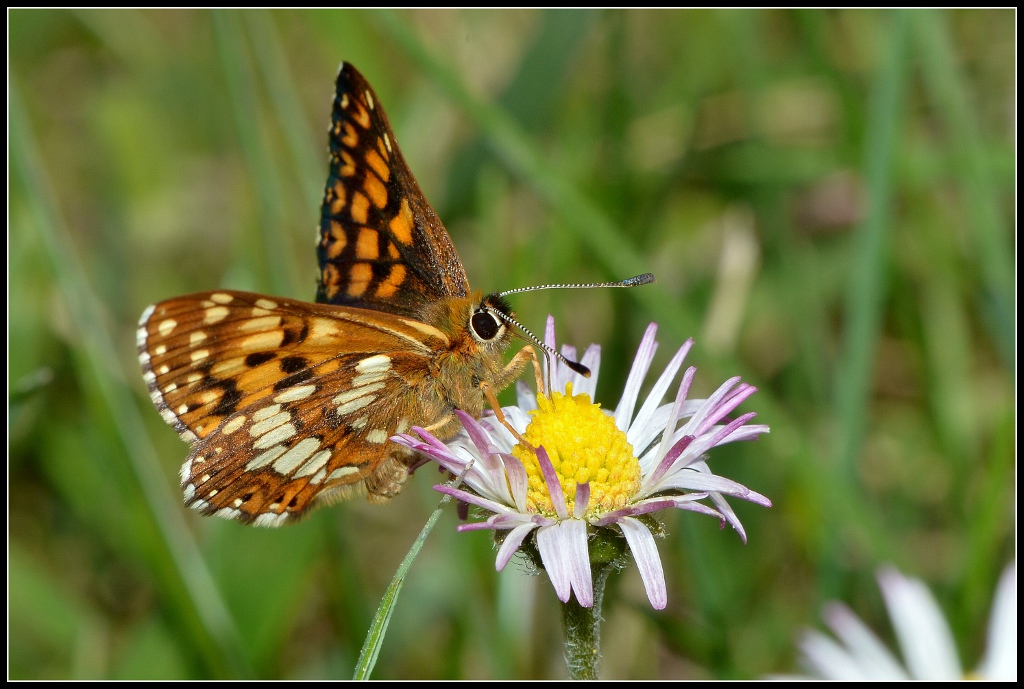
677 407
472 499
582 501
573 533
550 362
641 363
657 392
729 515
666 463
592 360
680 503
699 420
430 438
728 401
555 560
715 435
748 432
511 544
703 480
922 630
517 479
645 552
875 660
563 374
480 439
547 469
525 396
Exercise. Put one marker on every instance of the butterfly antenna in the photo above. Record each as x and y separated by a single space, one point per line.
636 281
579 368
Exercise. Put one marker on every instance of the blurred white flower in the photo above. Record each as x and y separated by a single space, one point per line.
929 652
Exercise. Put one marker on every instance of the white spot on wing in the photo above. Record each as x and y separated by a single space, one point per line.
354 405
222 298
315 464
265 458
278 435
270 519
227 513
267 425
377 436
215 314
379 362
266 412
167 326
291 459
266 304
342 472
295 394
356 393
233 425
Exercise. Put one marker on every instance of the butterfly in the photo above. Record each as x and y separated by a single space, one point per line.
288 405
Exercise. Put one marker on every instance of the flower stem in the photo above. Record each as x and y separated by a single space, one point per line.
583 629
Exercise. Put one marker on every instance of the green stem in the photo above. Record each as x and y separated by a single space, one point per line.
583 629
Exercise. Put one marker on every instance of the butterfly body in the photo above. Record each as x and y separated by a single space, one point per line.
289 404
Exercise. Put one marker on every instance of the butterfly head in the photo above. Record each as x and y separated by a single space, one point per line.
488 322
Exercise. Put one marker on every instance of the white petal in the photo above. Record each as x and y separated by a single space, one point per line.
592 360
637 373
875 660
525 396
657 393
563 550
511 543
645 552
828 660
1000 661
574 534
924 636
554 559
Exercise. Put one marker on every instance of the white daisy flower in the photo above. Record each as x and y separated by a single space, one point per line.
929 651
593 469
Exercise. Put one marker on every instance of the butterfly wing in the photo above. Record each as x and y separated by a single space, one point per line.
381 244
284 402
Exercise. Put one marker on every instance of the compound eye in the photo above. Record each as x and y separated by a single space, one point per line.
485 325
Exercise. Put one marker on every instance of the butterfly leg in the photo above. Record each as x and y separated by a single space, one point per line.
508 374
492 399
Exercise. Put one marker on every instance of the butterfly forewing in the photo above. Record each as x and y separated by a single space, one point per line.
381 244
284 401
287 404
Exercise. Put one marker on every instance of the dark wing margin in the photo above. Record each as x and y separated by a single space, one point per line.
381 244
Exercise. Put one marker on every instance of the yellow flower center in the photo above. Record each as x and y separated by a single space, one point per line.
585 446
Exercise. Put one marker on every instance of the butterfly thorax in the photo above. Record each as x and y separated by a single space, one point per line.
477 340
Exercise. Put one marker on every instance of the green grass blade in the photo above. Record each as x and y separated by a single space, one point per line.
98 367
379 626
274 252
992 244
866 290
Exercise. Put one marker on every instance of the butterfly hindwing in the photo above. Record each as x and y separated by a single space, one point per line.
282 400
381 244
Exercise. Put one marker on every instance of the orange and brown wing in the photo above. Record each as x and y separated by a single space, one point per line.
381 244
283 401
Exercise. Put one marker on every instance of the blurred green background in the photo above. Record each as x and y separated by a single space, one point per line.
826 198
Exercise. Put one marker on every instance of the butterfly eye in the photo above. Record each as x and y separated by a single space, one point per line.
485 325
